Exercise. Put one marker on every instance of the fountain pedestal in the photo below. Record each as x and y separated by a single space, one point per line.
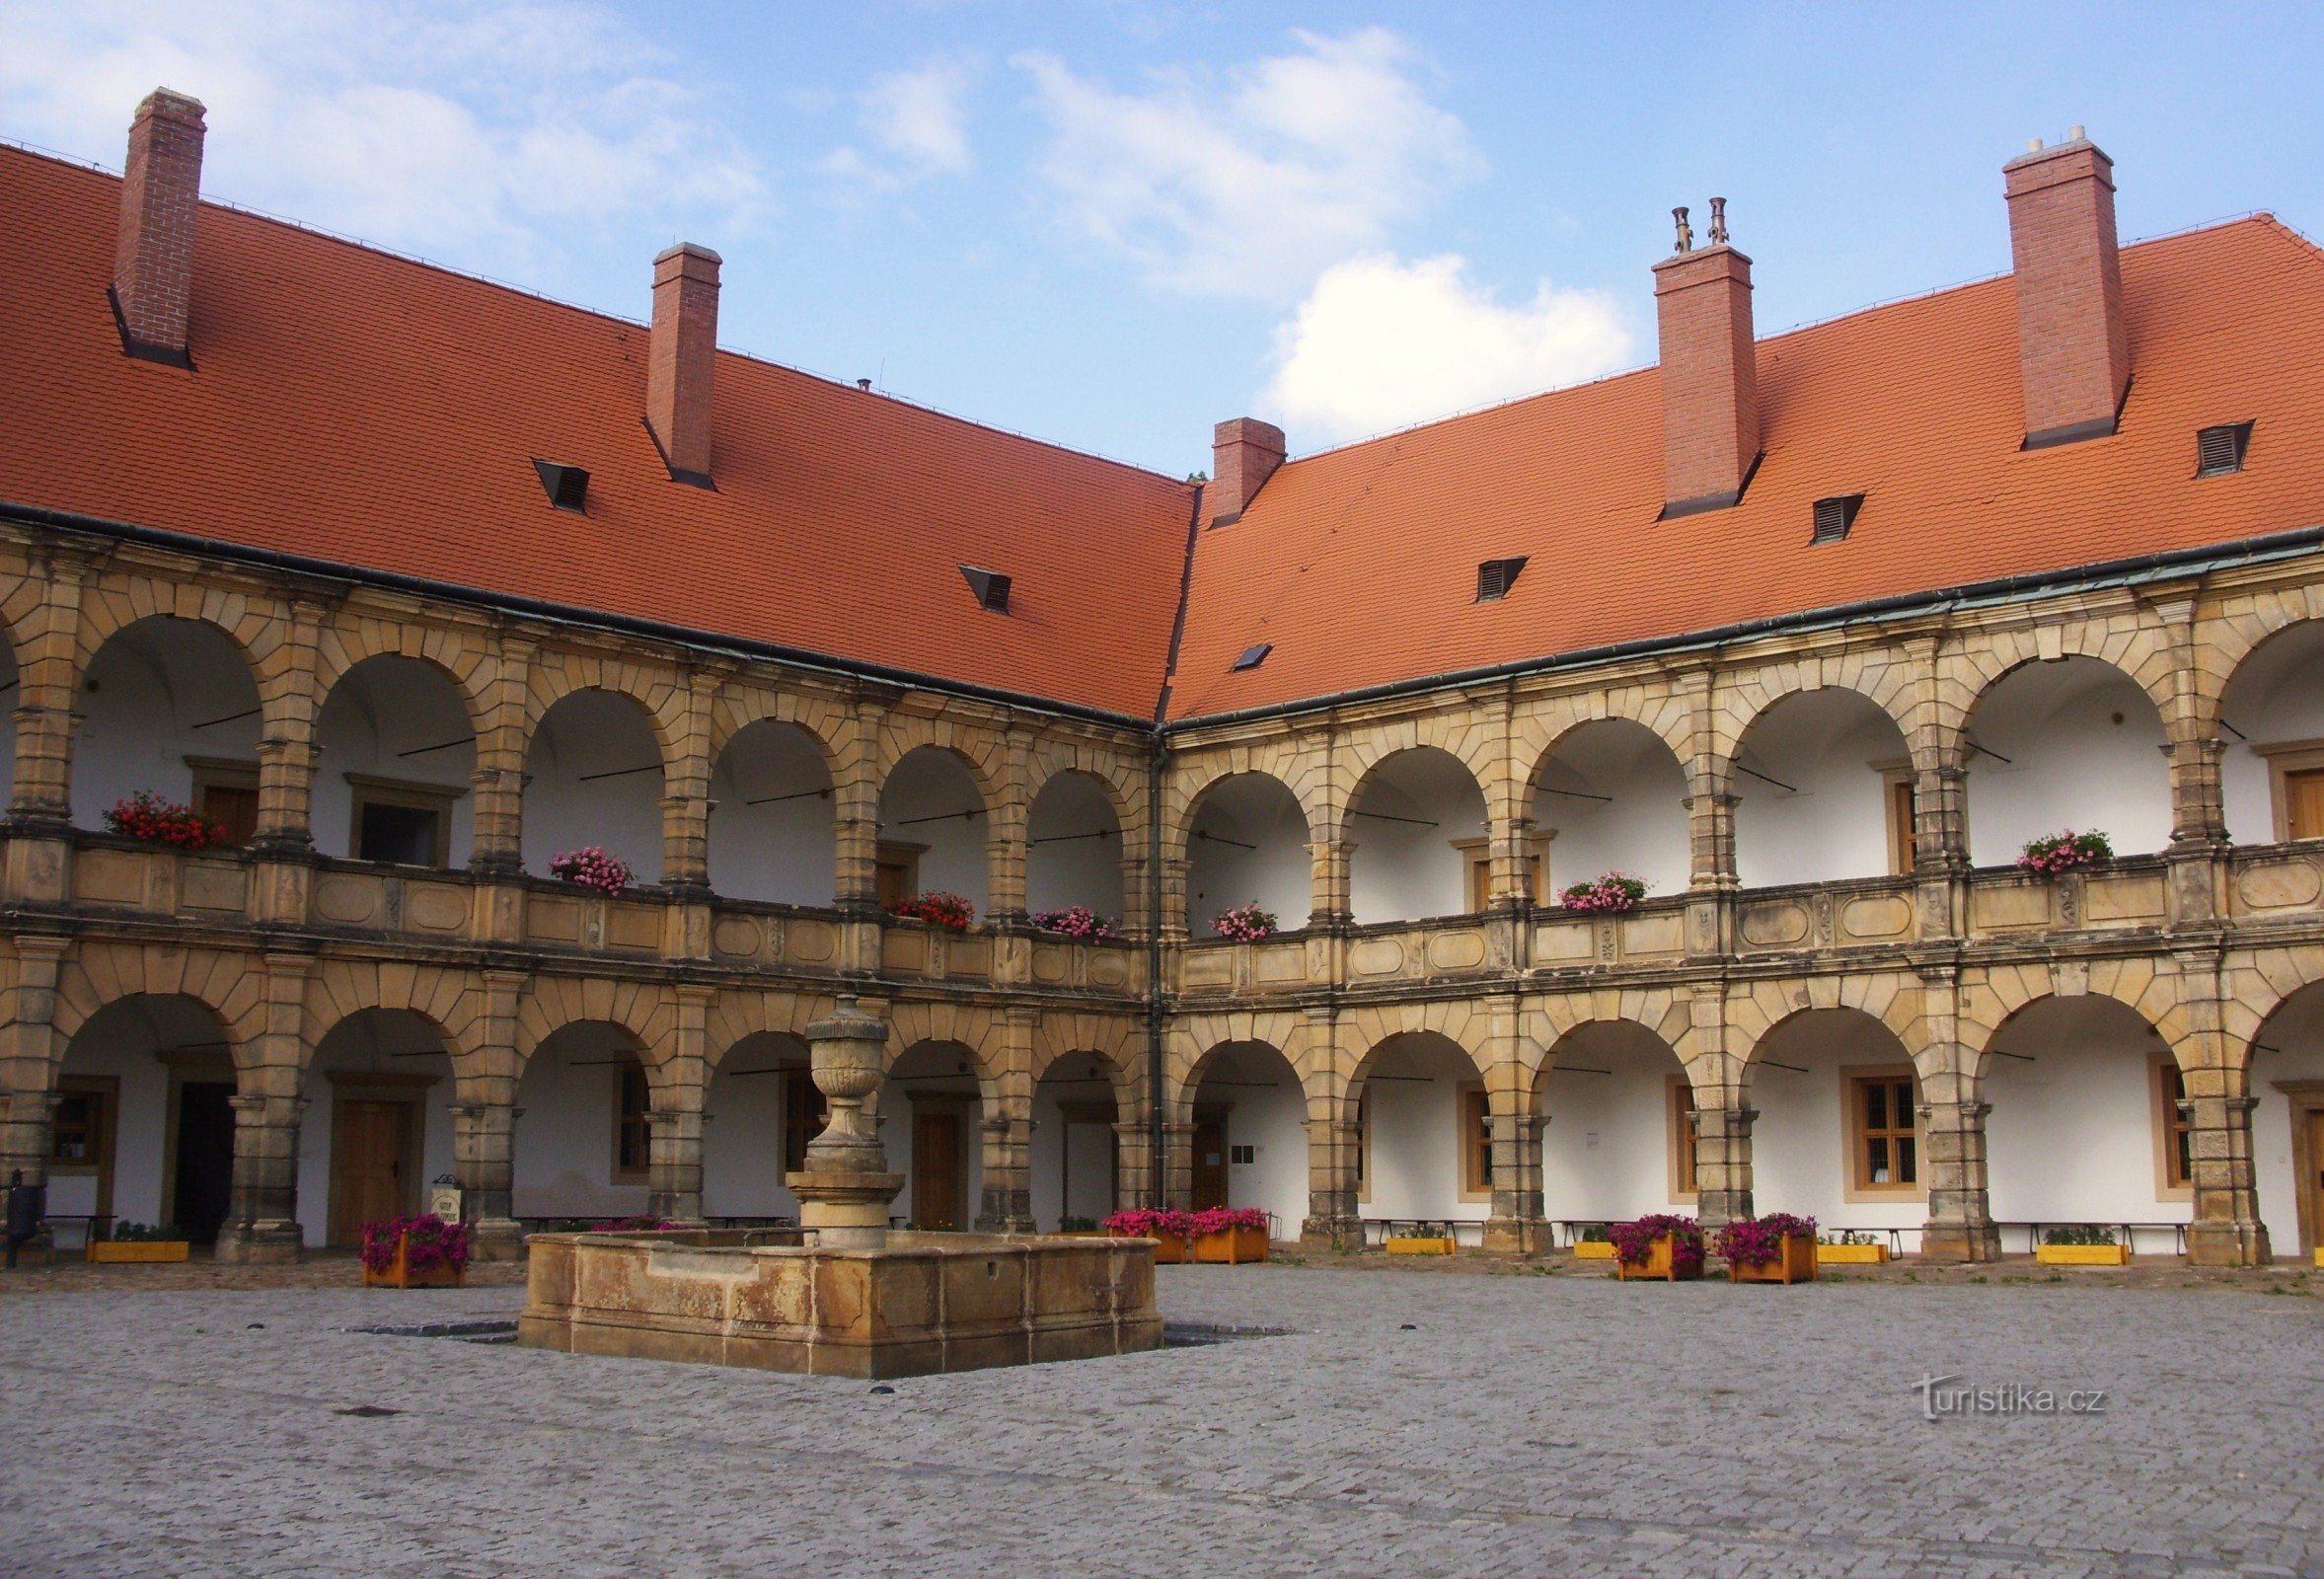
845 1190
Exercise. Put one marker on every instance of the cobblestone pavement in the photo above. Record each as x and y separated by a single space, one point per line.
1522 1425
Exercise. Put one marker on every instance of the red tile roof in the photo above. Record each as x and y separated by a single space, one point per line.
364 408
1360 564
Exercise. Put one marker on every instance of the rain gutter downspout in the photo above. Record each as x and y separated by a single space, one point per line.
2207 556
1158 756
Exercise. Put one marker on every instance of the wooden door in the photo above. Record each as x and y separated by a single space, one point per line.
369 1166
937 1184
2303 805
233 808
2314 1182
1210 1161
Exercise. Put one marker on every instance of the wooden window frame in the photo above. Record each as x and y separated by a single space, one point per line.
2284 759
106 1090
414 795
1471 1102
222 773
801 1096
1904 836
2167 1084
1363 1146
897 853
1477 870
1685 1141
623 1120
1856 1185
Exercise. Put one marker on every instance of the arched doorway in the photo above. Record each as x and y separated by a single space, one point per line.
170 706
772 831
395 753
378 1125
1424 1137
1612 796
1823 782
584 1126
593 775
144 1125
1619 1141
1077 1151
1839 1136
759 1112
1246 842
2065 743
1250 1139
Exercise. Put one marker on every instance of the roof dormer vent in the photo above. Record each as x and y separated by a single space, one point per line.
1494 577
989 586
2220 450
1833 517
567 487
1252 657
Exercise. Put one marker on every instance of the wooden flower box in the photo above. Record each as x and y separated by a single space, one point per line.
1593 1249
1795 1263
1852 1256
115 1252
1659 1265
2320 1255
1420 1244
400 1275
1233 1246
2083 1254
1169 1250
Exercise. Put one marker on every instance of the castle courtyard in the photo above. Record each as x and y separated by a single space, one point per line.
1416 1422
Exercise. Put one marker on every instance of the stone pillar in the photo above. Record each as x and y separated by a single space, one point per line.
48 695
686 801
1006 1202
1712 882
845 1190
262 1218
1722 1150
1178 1165
2199 848
1133 1177
674 1126
503 733
1519 1224
1335 1143
290 691
1959 1225
30 1058
1176 926
1329 863
2226 1231
484 1163
1005 833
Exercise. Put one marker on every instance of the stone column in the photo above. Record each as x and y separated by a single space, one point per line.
2226 1231
1005 833
48 695
674 1123
2199 848
262 1218
292 696
845 1190
1006 1202
686 797
1722 1150
1176 926
1329 864
1519 1224
503 733
1333 1221
1133 1178
30 1058
1711 884
483 1124
1178 1164
1952 1114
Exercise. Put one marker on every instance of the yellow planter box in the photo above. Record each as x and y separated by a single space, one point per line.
1660 1266
1852 1255
1795 1262
2083 1254
1232 1247
1593 1249
120 1251
2320 1255
1432 1245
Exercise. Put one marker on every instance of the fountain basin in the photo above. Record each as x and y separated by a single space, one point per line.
924 1303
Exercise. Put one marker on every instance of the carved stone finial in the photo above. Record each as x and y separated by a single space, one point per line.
1718 221
1686 243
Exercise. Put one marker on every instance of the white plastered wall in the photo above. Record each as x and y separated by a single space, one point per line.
380 710
1832 822
784 850
1064 865
1404 823
122 1042
941 1071
1266 1111
1256 810
1640 824
2291 1050
923 804
399 1046
2276 697
1416 1140
1800 1142
2073 1134
569 1099
742 1129
145 701
1606 1151
1073 1164
584 733
2071 763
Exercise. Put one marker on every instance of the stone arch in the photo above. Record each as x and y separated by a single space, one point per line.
1251 868
982 1031
1657 1011
251 624
1303 777
1992 1000
2036 753
553 1003
1883 678
1462 1023
1397 869
2226 642
1194 1043
459 654
1461 734
659 692
980 750
2124 641
1890 999
739 705
1057 875
2269 705
231 986
1123 782
735 1017
2259 984
1663 713
159 696
1119 1042
442 997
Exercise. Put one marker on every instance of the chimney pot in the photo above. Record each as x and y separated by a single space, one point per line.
153 249
2074 347
1710 382
682 359
1245 453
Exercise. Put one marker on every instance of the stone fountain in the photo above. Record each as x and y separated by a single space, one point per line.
841 1294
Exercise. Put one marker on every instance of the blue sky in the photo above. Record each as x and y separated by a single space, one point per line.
1114 225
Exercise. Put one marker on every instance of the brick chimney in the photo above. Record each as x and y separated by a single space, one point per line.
682 362
2072 344
1710 371
1245 453
153 253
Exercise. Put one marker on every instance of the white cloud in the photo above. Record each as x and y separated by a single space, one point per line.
469 131
1381 343
1251 186
920 121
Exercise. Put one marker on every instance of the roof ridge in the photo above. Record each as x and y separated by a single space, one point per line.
491 282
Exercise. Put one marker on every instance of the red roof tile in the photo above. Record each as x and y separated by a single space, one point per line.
1360 564
383 413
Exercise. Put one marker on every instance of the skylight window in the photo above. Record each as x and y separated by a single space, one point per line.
989 586
1252 657
1494 577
